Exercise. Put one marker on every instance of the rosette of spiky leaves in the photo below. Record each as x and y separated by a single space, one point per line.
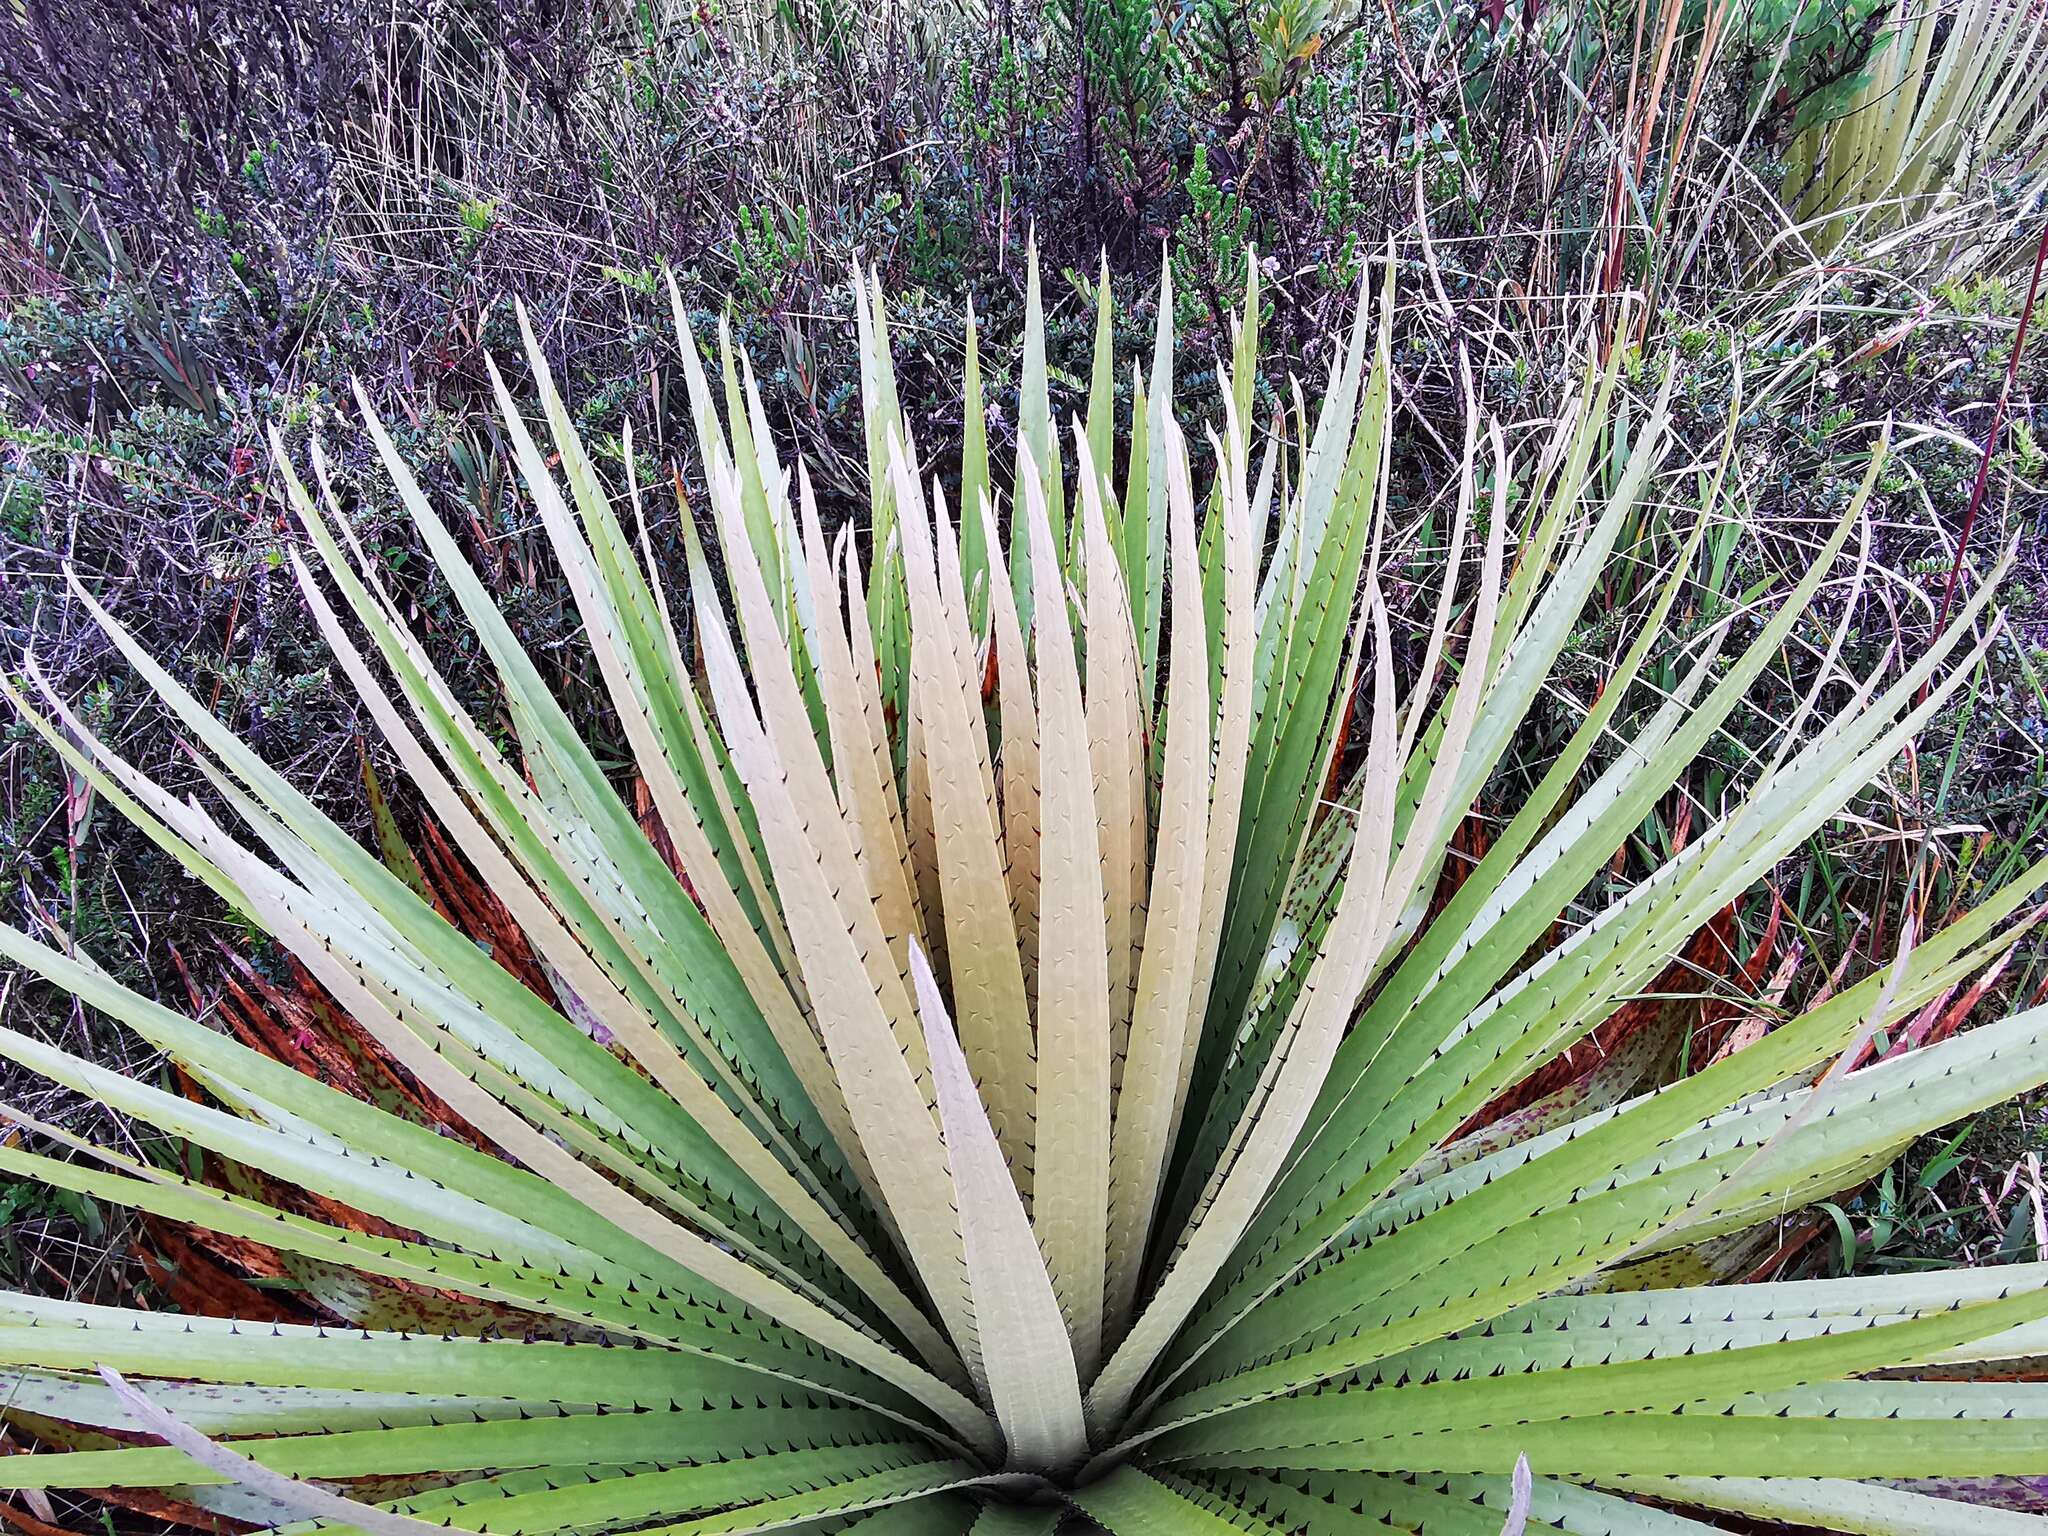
1945 98
1032 1093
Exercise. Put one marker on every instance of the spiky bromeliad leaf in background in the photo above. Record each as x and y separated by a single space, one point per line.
1026 1103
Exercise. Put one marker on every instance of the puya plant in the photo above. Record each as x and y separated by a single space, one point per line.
1029 1101
1948 97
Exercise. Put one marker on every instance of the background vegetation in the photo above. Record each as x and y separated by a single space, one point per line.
1827 214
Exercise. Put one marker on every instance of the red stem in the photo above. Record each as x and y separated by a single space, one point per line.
2012 369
